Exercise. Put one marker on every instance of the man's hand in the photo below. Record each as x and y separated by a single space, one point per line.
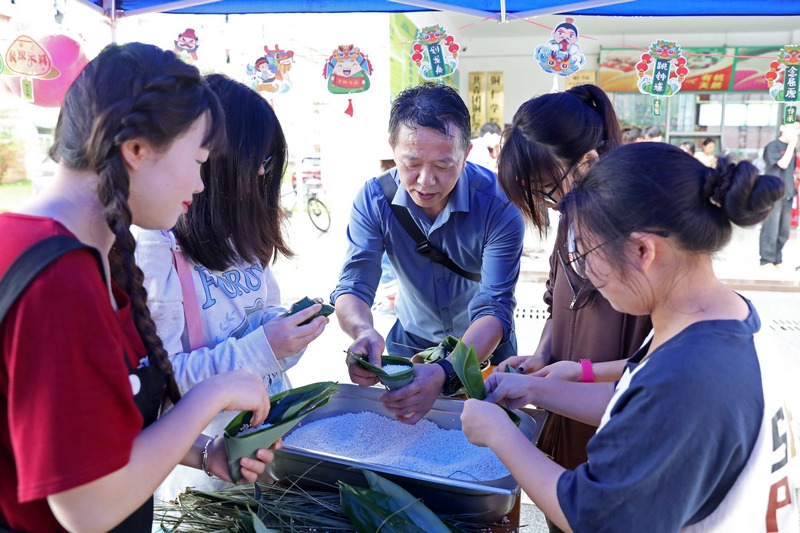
370 343
412 402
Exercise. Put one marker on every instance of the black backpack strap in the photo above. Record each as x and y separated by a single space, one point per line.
389 188
32 261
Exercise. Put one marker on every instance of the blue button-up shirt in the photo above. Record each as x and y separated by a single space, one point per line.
479 229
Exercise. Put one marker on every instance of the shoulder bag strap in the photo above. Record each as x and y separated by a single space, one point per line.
191 309
32 261
389 188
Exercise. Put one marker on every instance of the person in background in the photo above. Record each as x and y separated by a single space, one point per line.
486 146
780 159
687 147
632 135
85 375
706 155
552 142
653 134
461 211
227 239
644 225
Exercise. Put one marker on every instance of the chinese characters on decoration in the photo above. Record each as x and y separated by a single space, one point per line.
785 89
347 71
561 55
42 71
186 45
271 71
435 53
663 82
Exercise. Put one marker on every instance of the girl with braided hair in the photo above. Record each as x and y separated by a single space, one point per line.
83 374
689 439
552 142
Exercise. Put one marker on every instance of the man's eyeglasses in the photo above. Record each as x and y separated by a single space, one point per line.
578 261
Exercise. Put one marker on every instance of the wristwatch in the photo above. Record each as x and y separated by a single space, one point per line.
451 381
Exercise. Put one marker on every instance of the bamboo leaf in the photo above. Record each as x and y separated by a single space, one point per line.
307 302
370 511
465 363
412 507
258 525
286 410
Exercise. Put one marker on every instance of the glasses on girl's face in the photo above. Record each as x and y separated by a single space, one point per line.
548 195
265 164
578 260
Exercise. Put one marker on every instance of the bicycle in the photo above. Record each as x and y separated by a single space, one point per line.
318 212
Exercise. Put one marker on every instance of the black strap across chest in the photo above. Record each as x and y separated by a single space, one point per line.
389 188
32 261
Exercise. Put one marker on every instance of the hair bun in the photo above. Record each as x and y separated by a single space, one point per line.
718 182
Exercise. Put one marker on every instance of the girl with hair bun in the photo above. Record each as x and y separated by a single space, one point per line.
83 374
684 438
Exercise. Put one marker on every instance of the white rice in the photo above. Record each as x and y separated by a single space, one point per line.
246 429
395 369
370 438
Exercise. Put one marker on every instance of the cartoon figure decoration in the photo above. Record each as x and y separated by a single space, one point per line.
785 90
347 71
186 45
42 71
435 53
270 72
561 55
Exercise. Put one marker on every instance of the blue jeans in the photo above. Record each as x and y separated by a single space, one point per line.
775 232
400 342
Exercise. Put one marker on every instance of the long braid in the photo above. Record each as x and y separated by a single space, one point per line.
113 192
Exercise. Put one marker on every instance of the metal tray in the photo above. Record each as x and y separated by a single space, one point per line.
473 501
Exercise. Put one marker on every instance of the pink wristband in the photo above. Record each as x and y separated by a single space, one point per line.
587 374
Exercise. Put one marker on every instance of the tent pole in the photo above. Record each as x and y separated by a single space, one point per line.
439 6
567 7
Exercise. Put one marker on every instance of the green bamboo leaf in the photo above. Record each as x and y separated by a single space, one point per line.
392 381
370 511
258 525
412 507
286 410
511 370
465 363
307 302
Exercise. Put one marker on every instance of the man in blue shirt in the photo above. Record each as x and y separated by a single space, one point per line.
463 213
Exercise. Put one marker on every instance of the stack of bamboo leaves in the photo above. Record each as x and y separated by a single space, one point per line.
382 506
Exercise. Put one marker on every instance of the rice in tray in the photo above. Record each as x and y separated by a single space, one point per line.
371 438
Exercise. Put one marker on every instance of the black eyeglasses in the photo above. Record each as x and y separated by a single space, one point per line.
549 194
578 261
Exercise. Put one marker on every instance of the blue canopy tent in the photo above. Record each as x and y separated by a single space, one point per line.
500 10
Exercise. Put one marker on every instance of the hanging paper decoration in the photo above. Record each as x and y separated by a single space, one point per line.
186 45
42 71
435 53
270 72
347 71
663 82
561 55
784 89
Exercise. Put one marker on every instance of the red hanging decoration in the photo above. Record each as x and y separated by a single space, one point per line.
349 110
